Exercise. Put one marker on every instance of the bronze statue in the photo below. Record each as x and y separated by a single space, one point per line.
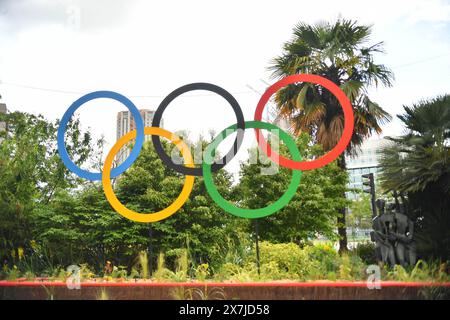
405 249
393 235
382 224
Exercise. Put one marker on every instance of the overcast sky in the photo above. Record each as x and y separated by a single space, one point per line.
52 52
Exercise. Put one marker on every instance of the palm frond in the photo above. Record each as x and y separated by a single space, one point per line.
339 52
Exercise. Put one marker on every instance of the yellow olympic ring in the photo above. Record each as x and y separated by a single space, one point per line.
147 217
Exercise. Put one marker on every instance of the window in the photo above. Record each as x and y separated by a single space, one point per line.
125 125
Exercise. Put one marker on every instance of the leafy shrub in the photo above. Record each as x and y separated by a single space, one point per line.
345 269
13 274
162 273
180 263
233 272
283 260
134 274
143 262
351 267
86 272
119 272
325 260
202 271
422 271
366 251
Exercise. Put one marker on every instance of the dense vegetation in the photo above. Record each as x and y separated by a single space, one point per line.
341 53
50 218
417 165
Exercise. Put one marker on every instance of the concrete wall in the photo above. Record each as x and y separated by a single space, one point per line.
222 292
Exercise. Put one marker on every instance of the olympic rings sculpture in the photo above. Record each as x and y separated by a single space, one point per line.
209 165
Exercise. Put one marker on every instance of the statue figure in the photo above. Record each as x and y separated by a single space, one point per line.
382 224
393 235
405 248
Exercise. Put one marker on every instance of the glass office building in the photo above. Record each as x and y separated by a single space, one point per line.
366 161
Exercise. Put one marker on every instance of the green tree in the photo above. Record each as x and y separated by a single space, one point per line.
312 210
83 227
339 53
417 165
361 212
150 186
31 171
72 220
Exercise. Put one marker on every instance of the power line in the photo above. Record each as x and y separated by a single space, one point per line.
252 90
421 61
24 86
39 88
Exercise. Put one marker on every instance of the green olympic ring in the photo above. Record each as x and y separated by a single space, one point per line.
228 206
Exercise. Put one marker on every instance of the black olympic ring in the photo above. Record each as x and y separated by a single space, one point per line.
191 87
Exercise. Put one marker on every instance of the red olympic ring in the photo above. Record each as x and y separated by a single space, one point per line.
333 153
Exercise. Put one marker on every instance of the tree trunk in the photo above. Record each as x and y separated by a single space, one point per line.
342 228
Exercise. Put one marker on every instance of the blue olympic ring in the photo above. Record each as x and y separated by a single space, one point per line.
93 176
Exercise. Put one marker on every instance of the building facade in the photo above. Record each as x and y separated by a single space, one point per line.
366 161
126 123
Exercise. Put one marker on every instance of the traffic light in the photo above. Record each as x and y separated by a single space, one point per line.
371 184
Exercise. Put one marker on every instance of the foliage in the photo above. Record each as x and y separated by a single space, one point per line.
143 261
422 271
417 165
420 157
202 271
149 186
94 233
64 221
284 261
326 261
314 208
279 261
162 272
80 226
31 172
366 251
360 215
181 264
339 53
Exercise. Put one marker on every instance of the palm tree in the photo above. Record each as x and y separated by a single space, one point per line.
422 156
339 53
417 165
